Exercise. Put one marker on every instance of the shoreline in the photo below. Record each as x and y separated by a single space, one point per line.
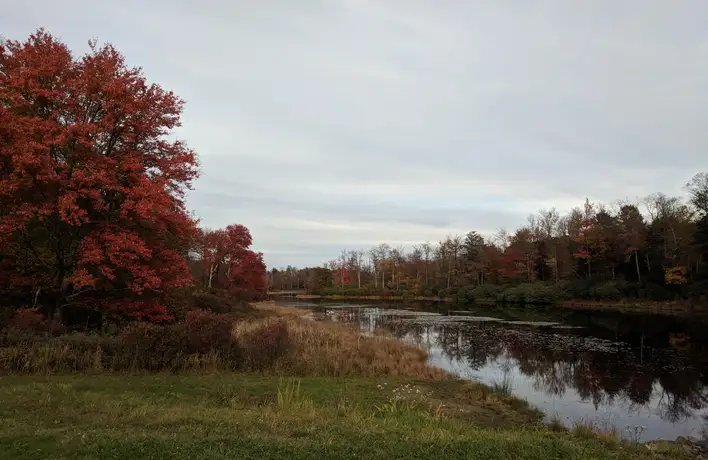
335 392
667 308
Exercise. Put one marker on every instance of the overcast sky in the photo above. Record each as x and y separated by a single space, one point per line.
324 125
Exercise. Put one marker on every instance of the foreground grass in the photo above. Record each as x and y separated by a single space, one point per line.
243 416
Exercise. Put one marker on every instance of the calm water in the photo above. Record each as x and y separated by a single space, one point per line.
611 368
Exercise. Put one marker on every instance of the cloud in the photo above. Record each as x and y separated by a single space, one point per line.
345 123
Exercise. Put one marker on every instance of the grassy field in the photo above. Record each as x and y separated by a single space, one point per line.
228 416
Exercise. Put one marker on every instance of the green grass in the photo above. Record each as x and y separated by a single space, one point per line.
231 416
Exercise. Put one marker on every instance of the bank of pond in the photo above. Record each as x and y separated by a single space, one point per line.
627 370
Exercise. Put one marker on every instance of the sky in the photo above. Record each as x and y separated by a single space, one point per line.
342 124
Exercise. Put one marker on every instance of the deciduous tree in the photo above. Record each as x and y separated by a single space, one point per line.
91 185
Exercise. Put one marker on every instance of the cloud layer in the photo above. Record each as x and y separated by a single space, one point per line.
324 125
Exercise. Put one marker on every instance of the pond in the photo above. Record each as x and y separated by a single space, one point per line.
609 368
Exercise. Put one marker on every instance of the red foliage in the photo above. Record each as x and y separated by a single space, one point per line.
92 190
208 331
228 262
29 319
341 276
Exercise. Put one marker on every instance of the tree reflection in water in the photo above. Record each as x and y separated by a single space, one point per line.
599 370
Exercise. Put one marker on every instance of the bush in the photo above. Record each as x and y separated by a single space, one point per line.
606 291
208 332
32 321
465 295
204 341
470 293
220 303
533 293
29 319
447 292
147 346
262 344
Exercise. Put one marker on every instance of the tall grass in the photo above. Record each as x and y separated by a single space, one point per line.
330 349
206 342
289 396
504 386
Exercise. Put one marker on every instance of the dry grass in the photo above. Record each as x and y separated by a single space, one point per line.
283 342
330 349
270 307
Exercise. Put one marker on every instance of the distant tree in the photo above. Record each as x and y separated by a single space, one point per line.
632 234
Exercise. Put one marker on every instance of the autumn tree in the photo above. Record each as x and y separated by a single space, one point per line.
655 253
229 263
698 189
472 255
91 183
632 234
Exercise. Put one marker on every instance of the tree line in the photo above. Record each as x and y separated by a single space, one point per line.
92 191
655 248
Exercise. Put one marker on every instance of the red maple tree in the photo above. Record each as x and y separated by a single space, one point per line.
229 263
91 187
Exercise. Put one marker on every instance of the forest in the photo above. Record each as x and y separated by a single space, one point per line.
656 248
93 221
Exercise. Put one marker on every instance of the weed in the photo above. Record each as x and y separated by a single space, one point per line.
595 428
555 424
289 396
404 398
634 433
503 387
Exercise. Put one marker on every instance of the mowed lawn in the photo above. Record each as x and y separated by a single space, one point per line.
232 416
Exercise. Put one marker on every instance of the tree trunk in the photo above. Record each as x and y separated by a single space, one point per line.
636 262
211 275
555 261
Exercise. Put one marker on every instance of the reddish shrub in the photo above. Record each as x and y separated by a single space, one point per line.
31 322
29 319
153 347
207 331
219 302
263 344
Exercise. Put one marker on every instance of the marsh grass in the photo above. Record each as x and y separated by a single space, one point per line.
336 350
209 343
503 386
597 428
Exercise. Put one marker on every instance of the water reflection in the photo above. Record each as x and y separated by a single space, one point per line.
636 378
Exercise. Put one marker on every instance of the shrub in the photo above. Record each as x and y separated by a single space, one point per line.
447 292
576 289
207 331
486 291
178 346
606 291
465 295
533 293
31 321
262 343
220 302
146 346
